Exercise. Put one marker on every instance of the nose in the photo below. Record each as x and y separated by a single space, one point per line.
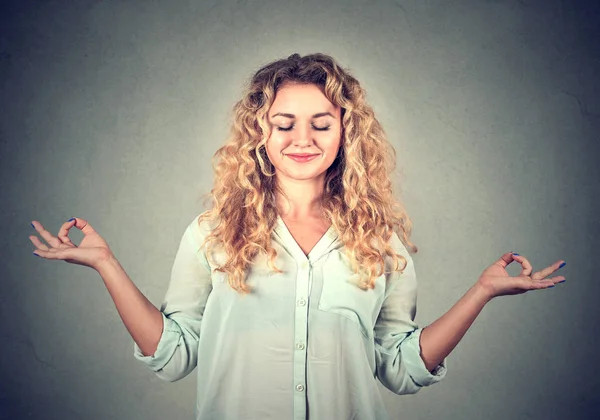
303 137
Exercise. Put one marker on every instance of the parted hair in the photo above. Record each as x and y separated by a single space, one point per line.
357 199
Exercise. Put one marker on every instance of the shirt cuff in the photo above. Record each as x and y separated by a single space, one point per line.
170 339
411 355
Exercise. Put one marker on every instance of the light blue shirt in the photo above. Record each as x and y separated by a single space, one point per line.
307 343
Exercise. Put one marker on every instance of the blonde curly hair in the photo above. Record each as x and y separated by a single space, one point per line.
357 197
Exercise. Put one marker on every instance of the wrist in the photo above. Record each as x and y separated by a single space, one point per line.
482 293
107 263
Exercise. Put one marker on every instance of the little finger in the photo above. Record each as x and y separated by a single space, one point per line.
52 254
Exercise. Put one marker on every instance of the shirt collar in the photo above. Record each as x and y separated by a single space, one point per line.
327 242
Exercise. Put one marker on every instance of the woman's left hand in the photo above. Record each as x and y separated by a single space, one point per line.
496 281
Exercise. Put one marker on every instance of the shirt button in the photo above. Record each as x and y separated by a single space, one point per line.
300 346
300 387
304 265
301 302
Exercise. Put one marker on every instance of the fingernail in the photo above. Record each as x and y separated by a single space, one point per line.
550 286
514 253
562 265
35 254
72 218
32 225
562 281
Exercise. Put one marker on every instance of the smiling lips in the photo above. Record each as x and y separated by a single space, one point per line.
302 157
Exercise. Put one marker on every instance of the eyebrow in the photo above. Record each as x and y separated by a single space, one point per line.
318 115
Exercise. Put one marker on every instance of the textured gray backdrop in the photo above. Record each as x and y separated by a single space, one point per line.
111 111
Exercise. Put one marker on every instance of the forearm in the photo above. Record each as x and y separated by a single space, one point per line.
441 337
141 318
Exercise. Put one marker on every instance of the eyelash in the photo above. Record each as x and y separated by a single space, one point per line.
292 126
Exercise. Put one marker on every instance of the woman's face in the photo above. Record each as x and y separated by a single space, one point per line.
305 132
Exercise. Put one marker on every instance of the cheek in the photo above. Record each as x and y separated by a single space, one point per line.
274 145
332 143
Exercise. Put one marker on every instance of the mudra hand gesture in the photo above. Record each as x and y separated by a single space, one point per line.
496 281
91 252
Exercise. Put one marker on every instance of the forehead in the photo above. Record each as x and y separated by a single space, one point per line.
302 100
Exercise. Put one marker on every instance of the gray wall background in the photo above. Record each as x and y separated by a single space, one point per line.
111 111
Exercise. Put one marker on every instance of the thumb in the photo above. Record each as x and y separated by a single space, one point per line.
505 259
83 226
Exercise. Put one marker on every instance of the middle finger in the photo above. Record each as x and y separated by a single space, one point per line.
52 240
548 270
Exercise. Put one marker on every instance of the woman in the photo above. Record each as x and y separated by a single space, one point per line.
296 290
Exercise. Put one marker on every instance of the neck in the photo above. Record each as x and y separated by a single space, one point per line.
302 198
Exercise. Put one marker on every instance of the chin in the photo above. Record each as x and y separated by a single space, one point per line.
303 176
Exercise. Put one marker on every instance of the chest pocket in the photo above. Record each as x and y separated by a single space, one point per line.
340 294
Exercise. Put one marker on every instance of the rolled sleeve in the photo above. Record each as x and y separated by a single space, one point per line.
169 341
400 367
411 353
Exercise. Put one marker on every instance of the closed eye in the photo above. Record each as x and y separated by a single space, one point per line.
292 126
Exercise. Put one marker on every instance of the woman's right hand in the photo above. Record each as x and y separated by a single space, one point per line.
92 252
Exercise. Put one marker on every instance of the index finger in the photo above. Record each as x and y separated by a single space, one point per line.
83 226
63 232
79 223
527 268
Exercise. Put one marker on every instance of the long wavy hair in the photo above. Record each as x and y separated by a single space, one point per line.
357 199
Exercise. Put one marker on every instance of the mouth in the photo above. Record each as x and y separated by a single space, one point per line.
302 157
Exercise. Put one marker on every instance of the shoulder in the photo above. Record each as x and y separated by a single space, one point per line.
198 229
406 266
398 246
193 238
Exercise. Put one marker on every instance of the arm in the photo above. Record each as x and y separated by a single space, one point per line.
166 339
442 336
141 318
439 338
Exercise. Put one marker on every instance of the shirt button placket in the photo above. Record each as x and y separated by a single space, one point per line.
301 332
